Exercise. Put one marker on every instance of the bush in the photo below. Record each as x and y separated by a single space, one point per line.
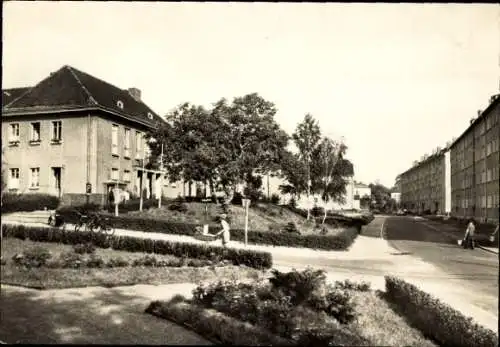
290 227
32 258
95 261
84 248
359 287
317 211
444 324
275 199
255 259
71 260
117 262
3 261
179 207
28 202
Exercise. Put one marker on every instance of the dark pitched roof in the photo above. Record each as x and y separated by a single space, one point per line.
8 95
73 89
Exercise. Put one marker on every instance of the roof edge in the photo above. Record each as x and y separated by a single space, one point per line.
97 107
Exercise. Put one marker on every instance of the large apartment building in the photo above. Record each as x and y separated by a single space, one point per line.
73 134
475 162
423 186
462 179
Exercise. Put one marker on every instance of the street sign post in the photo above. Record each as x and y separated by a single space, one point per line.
88 190
246 204
205 226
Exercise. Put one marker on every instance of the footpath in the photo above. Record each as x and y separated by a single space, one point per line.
368 259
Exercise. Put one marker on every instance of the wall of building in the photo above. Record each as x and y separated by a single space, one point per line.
475 169
67 154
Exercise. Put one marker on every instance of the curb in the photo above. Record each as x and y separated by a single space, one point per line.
486 249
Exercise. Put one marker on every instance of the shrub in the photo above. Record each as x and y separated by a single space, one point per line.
28 202
32 258
444 324
255 259
179 207
71 260
147 260
84 248
317 211
291 227
117 262
346 284
95 261
275 199
3 261
237 199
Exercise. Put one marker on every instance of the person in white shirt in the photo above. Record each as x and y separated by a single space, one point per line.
225 232
468 241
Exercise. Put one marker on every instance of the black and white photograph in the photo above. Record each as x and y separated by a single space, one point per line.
250 173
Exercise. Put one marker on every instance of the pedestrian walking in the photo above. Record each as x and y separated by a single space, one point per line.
468 241
225 232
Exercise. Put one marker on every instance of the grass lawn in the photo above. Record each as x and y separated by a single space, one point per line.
261 217
381 325
45 277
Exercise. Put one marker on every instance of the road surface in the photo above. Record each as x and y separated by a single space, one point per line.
476 269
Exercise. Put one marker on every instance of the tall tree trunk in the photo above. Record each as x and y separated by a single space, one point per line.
324 216
308 190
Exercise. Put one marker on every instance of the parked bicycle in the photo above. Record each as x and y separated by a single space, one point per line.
94 223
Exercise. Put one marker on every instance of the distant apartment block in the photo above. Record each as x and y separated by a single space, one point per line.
423 186
474 158
72 132
462 179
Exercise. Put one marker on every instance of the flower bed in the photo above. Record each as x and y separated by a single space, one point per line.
295 308
255 259
444 324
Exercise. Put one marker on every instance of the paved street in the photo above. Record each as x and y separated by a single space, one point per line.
429 241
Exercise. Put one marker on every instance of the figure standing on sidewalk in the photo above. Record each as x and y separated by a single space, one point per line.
492 236
468 241
226 236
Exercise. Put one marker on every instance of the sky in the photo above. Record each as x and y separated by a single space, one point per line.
394 80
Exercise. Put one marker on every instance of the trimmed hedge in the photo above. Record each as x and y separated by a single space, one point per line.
341 241
437 320
211 323
255 259
28 202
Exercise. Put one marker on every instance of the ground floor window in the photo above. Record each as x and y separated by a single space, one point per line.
35 177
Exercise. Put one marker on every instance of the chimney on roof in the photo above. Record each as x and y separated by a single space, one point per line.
135 93
472 120
479 112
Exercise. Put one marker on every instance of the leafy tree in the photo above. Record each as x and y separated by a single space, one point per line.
250 140
294 170
330 171
381 195
306 137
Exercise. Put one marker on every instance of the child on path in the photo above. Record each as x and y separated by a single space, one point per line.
225 232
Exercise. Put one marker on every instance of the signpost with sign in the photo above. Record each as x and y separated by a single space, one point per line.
88 190
205 226
246 204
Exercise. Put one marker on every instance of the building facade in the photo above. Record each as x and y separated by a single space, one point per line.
474 171
423 187
74 135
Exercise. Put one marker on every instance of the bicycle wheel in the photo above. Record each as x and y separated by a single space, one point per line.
78 226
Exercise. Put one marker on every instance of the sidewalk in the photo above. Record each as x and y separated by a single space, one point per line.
92 315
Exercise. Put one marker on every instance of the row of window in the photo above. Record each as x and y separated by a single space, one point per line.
139 147
34 178
115 175
35 132
483 201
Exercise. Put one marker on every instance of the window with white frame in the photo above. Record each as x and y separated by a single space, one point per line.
14 133
14 178
488 175
56 130
35 132
35 177
126 176
114 174
126 146
489 202
138 144
483 201
114 139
